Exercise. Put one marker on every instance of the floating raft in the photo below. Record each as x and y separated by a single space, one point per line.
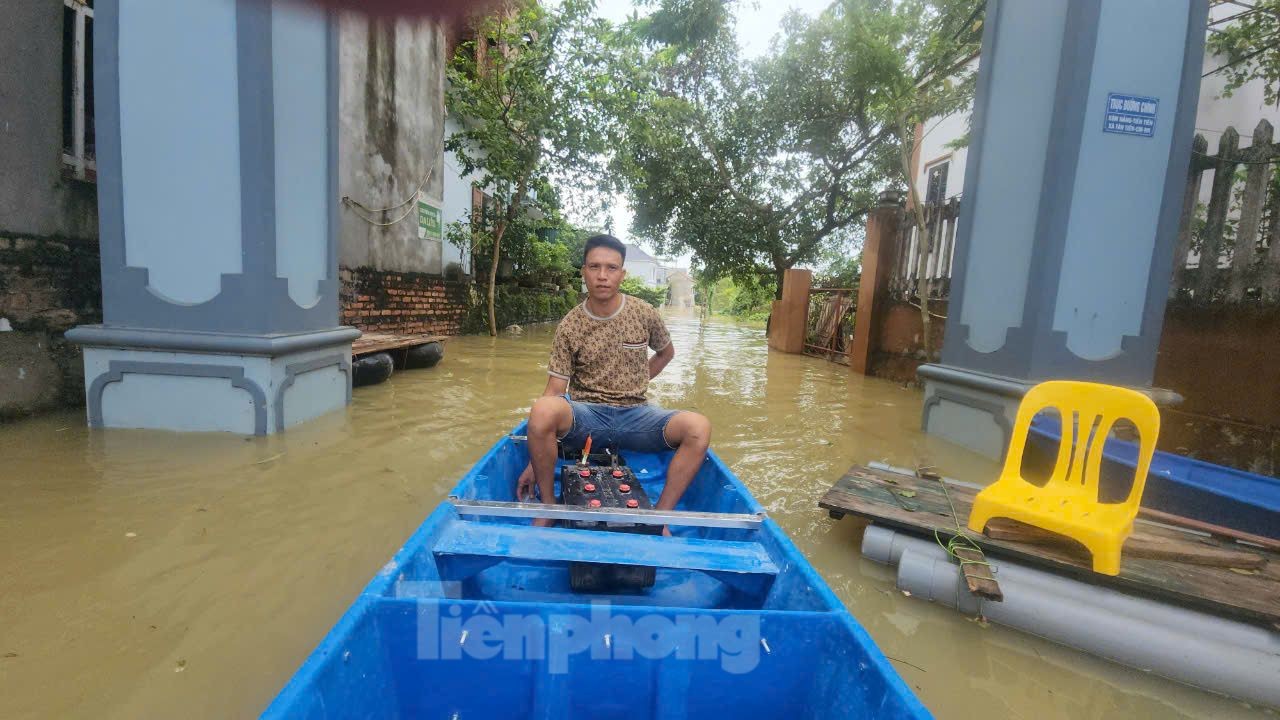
370 343
1229 579
1187 606
376 355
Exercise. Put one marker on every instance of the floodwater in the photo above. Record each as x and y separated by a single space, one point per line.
154 575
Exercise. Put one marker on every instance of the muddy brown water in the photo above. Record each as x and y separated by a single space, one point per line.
154 575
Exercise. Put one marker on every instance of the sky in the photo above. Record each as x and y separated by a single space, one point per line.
757 23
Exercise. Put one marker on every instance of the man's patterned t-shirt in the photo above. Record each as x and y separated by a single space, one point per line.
605 358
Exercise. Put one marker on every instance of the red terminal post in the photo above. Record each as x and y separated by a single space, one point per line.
589 487
593 503
617 473
623 487
633 503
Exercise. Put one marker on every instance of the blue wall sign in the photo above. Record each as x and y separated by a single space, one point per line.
1131 115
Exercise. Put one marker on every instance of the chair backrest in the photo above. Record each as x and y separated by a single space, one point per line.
1088 412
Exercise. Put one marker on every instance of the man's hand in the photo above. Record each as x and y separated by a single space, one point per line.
660 359
525 485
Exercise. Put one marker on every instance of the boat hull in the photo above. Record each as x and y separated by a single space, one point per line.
475 618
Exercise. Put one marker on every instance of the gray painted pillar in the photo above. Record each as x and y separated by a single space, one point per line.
217 200
1082 130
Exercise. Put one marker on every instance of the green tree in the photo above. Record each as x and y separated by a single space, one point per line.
752 166
934 40
526 89
635 286
1247 43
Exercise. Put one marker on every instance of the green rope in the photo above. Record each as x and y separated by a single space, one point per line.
959 540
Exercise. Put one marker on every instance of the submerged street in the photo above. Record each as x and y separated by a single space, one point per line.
142 570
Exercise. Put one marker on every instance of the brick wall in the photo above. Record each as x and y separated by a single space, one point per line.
402 302
47 286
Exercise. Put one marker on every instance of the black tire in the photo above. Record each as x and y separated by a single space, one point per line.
424 356
371 369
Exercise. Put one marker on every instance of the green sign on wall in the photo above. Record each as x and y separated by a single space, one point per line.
430 222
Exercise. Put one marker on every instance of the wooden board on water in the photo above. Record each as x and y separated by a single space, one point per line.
1139 545
382 342
1249 595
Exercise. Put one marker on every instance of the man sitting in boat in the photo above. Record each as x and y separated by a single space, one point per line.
600 357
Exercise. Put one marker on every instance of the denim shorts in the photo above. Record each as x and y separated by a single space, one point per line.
636 427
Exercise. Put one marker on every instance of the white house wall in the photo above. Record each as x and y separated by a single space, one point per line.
457 200
643 269
938 132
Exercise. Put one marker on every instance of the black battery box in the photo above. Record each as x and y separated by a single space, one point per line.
607 486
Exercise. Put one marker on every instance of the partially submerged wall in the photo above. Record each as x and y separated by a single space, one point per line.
898 339
47 286
49 276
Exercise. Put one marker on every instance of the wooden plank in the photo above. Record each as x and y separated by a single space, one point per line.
1190 198
1251 596
1138 545
977 574
565 544
1217 530
382 342
1255 190
1224 170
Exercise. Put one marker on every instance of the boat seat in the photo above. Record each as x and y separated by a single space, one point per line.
524 542
1068 503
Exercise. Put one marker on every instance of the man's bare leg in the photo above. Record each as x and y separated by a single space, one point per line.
691 434
550 418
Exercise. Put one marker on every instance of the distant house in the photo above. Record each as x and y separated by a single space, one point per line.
649 269
681 293
939 169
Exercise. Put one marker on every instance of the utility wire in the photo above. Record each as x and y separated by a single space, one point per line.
426 178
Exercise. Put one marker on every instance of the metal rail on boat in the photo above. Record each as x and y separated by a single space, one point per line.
687 518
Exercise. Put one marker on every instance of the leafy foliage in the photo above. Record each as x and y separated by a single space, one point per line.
938 39
526 90
516 305
750 166
635 286
1248 46
756 167
750 301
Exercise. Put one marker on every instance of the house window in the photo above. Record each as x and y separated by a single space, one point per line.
935 192
482 209
78 147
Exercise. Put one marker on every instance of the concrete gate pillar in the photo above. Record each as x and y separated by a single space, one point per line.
789 316
1082 132
217 197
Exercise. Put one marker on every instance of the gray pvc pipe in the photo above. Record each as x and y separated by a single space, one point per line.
1191 647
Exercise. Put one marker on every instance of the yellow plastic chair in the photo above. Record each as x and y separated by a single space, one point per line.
1068 503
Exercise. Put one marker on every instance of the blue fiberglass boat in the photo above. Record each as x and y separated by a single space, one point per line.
1175 484
477 617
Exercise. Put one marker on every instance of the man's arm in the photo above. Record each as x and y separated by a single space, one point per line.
658 361
659 342
556 385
